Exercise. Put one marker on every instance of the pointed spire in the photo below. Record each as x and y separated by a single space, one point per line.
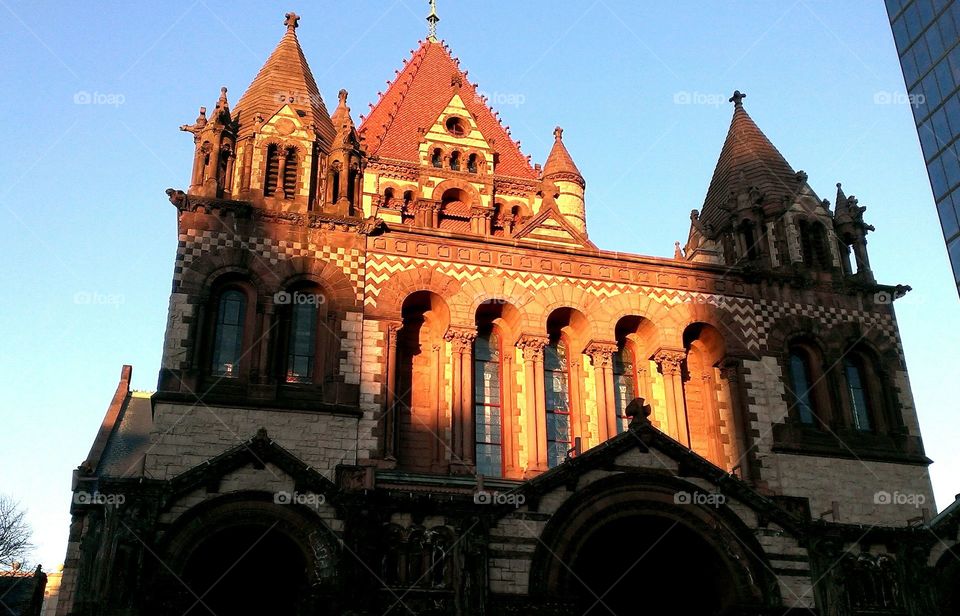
432 20
841 201
748 162
284 79
559 160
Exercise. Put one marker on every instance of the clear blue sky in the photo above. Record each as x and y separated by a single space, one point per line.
81 185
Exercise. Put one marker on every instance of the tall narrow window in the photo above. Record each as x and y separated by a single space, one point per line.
228 334
302 344
272 175
437 159
557 389
802 386
290 174
488 410
335 188
624 386
472 163
859 402
455 161
750 242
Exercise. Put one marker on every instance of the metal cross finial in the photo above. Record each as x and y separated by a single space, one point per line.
737 98
432 20
292 21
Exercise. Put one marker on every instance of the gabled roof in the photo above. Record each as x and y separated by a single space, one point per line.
550 225
285 79
415 100
747 159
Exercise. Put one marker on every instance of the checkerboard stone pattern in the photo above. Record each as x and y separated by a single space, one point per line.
195 242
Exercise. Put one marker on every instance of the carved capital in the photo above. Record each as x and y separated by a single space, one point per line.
601 353
532 347
669 361
461 338
730 370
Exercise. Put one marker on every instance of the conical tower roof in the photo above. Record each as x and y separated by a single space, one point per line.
559 160
747 159
285 79
417 97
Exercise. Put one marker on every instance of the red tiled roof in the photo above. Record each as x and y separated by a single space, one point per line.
284 75
417 97
747 151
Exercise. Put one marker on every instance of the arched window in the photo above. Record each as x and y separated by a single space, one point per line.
472 163
290 173
750 242
407 198
228 334
302 339
388 197
860 407
272 172
624 386
488 413
557 390
455 161
437 158
801 377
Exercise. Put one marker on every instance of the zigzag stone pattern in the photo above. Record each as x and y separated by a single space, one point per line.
756 317
195 243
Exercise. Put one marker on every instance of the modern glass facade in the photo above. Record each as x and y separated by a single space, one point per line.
927 33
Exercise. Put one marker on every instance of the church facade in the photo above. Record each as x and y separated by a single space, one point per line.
399 377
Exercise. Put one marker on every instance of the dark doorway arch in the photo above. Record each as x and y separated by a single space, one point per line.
653 552
249 569
642 543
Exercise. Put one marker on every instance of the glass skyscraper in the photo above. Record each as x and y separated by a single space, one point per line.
927 33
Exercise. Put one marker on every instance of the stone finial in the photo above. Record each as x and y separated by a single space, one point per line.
343 97
292 21
558 133
432 20
737 98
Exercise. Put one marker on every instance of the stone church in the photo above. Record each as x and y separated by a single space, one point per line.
399 377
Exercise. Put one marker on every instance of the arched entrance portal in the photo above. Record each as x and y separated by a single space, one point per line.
248 569
639 543
679 571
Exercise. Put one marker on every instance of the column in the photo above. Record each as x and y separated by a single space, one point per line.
532 347
390 395
601 356
745 454
670 362
461 400
438 424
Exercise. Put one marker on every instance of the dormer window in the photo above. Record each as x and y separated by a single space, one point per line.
455 161
456 126
472 163
437 158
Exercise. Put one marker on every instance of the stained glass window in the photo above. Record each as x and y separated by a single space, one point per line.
802 383
557 391
302 343
488 416
858 395
624 387
228 334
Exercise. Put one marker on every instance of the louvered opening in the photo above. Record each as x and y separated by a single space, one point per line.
290 174
272 172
